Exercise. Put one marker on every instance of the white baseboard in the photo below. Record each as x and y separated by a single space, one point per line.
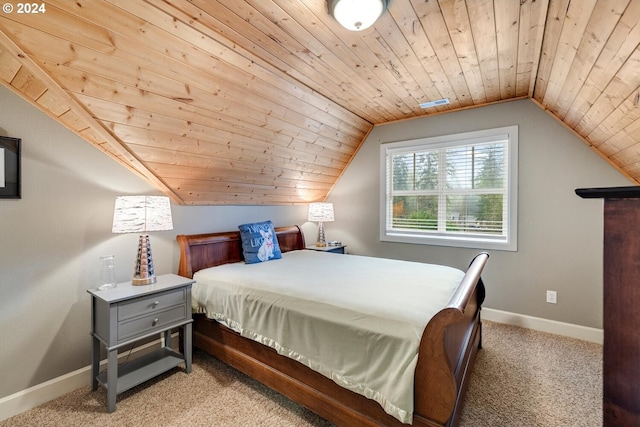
545 325
33 396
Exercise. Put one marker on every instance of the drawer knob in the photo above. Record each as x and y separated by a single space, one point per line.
155 304
155 322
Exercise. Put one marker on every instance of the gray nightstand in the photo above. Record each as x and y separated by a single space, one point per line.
127 313
332 249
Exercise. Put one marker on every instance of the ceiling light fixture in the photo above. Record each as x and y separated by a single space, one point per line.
357 15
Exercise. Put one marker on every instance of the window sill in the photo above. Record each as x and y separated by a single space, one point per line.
451 241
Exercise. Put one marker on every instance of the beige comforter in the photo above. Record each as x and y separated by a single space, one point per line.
357 320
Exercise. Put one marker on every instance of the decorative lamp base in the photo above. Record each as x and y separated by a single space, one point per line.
143 273
321 240
139 282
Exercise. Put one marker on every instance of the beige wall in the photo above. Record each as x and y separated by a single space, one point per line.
560 234
51 239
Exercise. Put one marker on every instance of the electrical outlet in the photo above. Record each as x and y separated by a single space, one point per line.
552 297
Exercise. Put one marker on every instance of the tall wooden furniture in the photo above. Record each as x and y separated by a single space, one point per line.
621 317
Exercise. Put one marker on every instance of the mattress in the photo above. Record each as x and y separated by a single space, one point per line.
357 320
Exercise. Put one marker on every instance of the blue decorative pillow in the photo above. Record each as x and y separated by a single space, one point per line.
259 242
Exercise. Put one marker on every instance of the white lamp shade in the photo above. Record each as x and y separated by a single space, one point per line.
320 212
357 15
139 214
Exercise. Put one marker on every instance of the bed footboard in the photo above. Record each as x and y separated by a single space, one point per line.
448 348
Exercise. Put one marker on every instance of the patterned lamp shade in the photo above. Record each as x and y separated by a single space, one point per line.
320 212
139 214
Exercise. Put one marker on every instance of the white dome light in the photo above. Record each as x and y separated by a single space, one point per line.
357 15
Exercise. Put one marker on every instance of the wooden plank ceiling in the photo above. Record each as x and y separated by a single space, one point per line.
266 102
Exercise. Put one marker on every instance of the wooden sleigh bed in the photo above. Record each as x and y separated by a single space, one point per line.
446 353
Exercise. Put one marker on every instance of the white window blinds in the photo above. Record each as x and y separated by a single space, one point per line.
453 189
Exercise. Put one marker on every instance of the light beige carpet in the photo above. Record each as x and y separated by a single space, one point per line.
521 378
528 378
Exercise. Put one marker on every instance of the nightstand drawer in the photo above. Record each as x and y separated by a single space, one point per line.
150 303
152 322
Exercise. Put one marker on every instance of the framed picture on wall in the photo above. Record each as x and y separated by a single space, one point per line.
9 168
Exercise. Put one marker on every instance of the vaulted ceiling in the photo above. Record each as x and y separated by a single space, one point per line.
267 102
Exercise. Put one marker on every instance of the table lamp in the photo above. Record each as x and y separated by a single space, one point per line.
140 214
321 212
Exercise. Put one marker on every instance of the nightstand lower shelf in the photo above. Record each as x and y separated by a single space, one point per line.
143 368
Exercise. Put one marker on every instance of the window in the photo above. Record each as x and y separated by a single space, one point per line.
454 190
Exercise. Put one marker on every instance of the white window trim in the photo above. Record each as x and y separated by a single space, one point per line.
464 241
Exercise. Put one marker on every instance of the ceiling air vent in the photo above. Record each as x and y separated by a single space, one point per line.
443 101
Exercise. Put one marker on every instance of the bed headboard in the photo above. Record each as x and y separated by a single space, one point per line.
198 251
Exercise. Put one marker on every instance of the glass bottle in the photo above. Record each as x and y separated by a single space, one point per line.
107 273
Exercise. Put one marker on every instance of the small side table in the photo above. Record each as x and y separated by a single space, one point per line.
125 314
338 249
